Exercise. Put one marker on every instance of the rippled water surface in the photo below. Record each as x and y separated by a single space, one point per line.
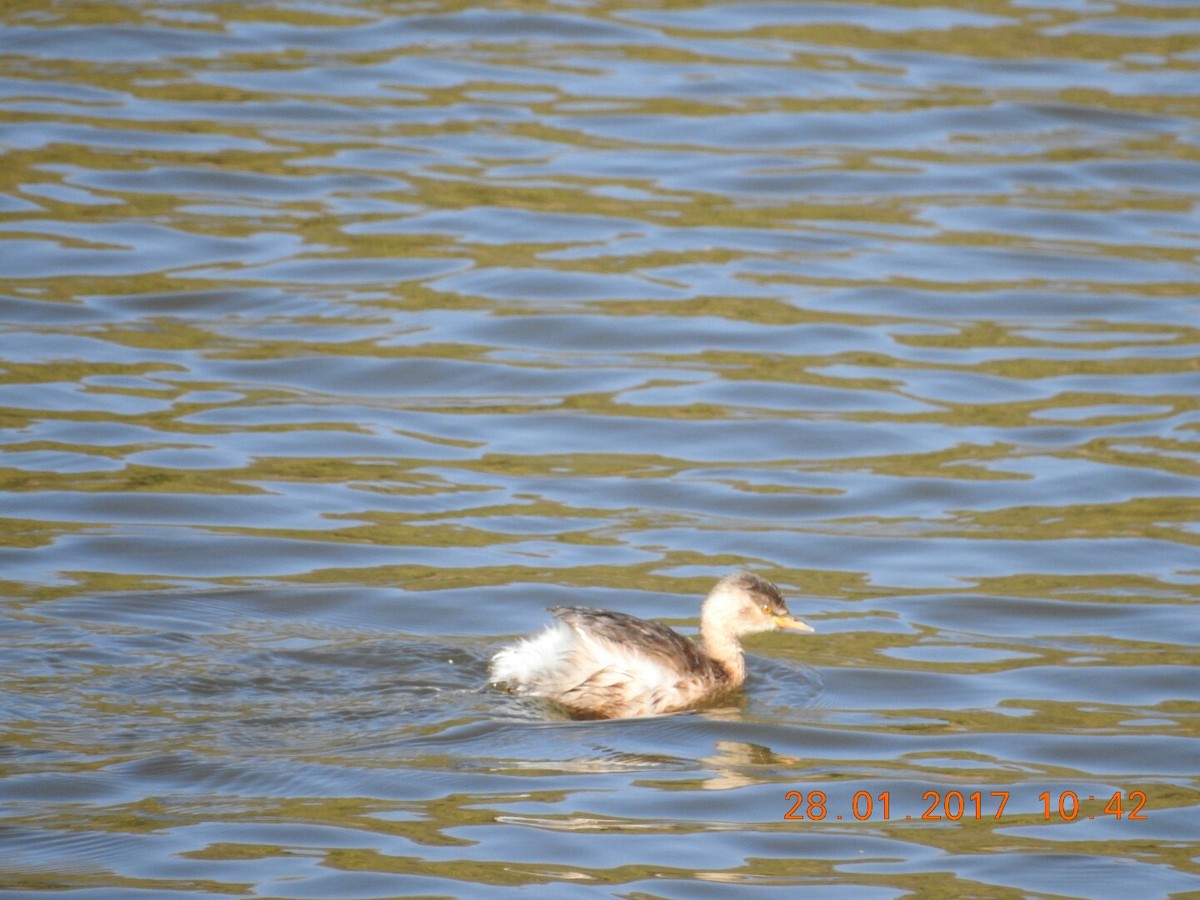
339 339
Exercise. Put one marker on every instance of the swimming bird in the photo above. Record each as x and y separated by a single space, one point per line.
598 664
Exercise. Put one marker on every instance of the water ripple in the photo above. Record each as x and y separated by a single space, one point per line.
340 340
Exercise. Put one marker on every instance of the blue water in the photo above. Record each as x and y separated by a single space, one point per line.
339 340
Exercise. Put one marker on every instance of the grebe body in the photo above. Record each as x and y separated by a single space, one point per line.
606 665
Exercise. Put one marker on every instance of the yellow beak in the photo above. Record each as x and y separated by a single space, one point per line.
791 623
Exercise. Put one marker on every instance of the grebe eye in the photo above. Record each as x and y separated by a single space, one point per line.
766 607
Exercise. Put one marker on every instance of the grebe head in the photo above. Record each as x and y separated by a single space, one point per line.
745 603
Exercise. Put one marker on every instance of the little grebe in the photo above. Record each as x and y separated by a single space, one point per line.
609 665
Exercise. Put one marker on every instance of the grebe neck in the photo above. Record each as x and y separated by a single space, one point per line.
726 651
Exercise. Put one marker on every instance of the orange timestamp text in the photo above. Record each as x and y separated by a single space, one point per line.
953 806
